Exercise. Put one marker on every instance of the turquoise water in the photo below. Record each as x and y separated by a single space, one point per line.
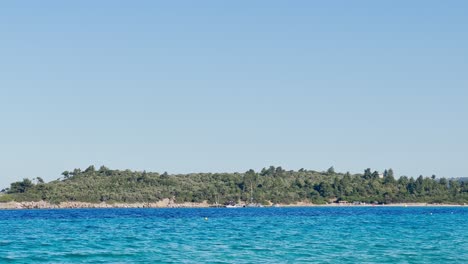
243 235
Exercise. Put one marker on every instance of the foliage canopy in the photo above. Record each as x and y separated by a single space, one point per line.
273 184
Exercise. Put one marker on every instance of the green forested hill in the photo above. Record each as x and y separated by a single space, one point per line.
272 184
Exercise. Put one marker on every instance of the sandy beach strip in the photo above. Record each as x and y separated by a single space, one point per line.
166 203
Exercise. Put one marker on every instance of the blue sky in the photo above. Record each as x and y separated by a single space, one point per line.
190 86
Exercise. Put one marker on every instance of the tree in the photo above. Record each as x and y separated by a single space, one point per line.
103 169
443 182
90 169
367 174
419 184
411 186
388 177
279 170
76 172
375 175
66 174
272 170
454 187
325 189
250 181
21 187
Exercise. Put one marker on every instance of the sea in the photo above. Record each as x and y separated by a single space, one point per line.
236 235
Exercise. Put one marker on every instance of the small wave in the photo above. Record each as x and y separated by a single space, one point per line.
5 243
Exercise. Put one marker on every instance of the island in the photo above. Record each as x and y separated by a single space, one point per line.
272 186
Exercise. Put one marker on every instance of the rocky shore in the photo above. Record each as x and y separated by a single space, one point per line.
165 203
168 203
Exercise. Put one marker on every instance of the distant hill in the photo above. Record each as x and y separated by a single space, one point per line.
270 185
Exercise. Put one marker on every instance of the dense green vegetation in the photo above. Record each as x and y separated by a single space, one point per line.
272 184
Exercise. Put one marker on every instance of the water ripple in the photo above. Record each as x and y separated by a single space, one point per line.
247 235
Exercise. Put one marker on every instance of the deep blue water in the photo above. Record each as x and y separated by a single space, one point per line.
242 235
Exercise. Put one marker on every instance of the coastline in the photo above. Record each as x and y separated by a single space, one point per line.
167 203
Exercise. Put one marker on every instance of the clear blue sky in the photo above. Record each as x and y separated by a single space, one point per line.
190 86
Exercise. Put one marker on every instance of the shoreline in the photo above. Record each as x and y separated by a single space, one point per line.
166 203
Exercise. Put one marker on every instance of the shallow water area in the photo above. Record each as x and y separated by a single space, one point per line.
238 235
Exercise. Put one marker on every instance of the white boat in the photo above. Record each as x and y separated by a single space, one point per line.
254 205
233 206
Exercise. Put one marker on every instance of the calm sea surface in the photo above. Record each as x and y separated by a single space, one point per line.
242 235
